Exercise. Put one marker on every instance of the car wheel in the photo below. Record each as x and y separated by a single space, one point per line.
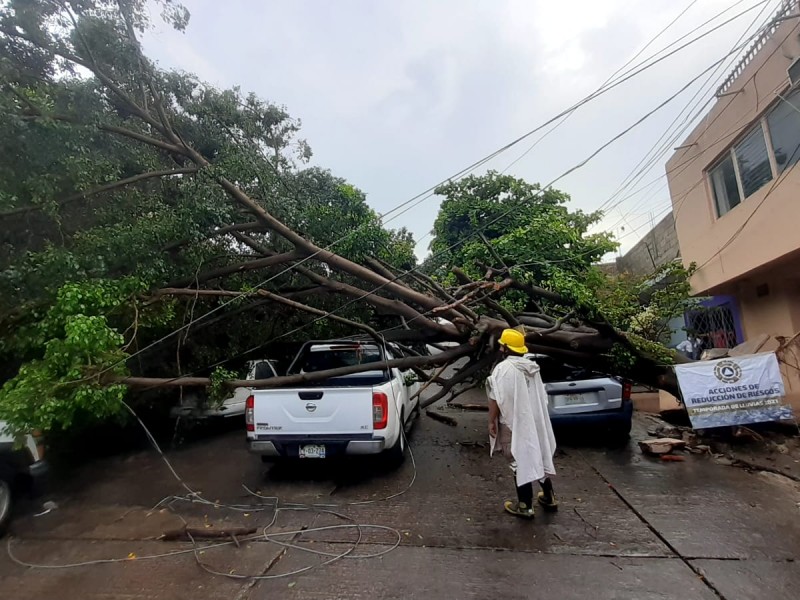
415 414
5 504
397 453
620 433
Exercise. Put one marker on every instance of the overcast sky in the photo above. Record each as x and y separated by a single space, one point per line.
397 96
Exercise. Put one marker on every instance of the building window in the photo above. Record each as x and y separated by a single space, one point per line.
753 161
726 189
758 158
784 129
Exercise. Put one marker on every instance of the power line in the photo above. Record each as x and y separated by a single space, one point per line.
678 203
613 75
482 227
659 151
772 188
429 192
639 68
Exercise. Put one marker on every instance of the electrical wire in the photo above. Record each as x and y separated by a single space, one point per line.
687 123
639 68
474 232
414 201
614 74
657 152
266 536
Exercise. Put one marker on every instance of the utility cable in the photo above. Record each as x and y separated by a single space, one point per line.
422 196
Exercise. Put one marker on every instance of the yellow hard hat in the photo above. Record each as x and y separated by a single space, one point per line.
514 341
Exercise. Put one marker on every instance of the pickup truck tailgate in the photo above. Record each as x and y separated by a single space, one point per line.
328 411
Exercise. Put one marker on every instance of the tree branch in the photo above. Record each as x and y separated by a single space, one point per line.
558 324
320 313
251 265
251 226
464 374
299 378
104 188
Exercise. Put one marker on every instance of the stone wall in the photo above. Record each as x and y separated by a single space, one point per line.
658 247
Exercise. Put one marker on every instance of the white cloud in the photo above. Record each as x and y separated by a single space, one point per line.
396 96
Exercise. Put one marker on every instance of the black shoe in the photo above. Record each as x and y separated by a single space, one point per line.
549 503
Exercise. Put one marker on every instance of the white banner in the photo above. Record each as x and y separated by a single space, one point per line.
733 391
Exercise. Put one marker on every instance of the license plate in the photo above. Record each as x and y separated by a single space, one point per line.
312 451
570 399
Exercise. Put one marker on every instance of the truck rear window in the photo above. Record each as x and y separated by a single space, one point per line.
323 359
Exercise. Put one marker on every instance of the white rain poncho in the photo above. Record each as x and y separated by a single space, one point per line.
516 385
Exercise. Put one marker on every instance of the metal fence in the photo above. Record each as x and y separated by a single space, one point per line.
715 326
787 8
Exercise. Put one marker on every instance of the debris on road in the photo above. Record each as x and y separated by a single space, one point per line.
470 444
47 507
186 534
660 446
478 407
672 458
437 416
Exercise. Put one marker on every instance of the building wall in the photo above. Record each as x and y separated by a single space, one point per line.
776 313
657 248
764 227
751 252
770 301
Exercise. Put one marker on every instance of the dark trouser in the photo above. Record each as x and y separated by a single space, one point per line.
525 492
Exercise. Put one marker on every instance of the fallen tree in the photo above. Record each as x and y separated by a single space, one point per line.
221 153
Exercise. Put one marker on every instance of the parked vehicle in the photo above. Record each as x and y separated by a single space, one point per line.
579 397
22 470
362 413
196 405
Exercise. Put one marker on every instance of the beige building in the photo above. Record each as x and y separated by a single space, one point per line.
735 189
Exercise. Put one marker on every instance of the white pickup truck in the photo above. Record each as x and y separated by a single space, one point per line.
362 413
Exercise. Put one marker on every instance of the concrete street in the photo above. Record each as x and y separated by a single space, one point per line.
629 527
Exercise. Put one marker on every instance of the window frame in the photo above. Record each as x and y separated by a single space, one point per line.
730 152
728 155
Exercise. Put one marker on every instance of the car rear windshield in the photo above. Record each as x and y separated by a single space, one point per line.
322 359
553 371
334 356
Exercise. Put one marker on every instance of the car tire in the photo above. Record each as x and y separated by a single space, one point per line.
620 433
6 502
415 414
397 453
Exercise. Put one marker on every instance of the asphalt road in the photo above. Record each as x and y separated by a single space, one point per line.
629 527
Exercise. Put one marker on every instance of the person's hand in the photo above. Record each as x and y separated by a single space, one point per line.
493 428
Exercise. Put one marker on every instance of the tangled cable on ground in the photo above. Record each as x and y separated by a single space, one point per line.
266 536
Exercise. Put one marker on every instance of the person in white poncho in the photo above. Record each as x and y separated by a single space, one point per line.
519 421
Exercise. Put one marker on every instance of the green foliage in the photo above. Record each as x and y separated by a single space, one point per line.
76 272
218 391
528 229
70 381
645 305
410 379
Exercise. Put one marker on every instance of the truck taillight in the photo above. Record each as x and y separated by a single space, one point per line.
380 410
626 390
249 413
